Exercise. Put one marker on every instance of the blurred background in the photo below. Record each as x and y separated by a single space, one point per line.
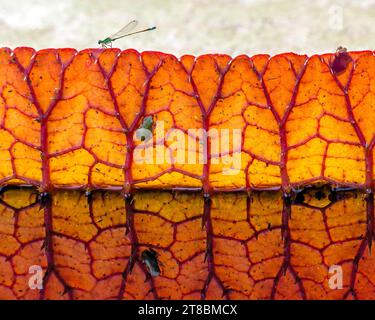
195 27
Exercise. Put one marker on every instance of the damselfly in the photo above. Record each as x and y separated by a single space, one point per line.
124 32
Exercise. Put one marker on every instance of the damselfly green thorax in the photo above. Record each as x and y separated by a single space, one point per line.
124 32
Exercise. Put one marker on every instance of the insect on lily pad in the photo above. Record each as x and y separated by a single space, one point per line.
340 61
144 132
150 259
124 32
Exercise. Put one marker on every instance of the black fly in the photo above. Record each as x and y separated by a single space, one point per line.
150 259
340 61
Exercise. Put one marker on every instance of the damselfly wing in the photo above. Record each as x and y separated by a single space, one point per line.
124 32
